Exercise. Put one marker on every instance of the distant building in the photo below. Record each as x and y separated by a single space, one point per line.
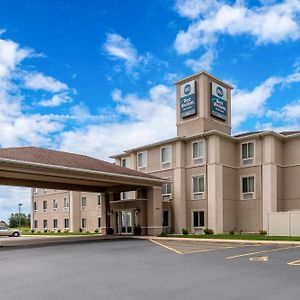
214 179
3 224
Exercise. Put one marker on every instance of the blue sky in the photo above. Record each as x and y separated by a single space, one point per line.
96 77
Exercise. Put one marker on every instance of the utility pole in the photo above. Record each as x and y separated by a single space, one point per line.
20 204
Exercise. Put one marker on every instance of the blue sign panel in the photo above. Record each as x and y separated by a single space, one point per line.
187 101
218 103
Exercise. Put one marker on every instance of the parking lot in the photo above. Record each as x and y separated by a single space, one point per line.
155 269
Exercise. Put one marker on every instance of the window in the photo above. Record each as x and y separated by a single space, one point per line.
66 203
35 190
198 184
124 195
248 185
34 206
83 223
55 223
66 221
165 155
99 222
35 224
54 204
198 218
83 201
142 160
165 218
248 150
125 162
45 204
198 151
45 223
45 190
99 200
166 189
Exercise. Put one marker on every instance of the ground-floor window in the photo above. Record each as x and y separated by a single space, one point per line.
99 222
35 224
66 223
55 223
198 218
45 223
83 223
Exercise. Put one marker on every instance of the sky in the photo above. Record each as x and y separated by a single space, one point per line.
96 77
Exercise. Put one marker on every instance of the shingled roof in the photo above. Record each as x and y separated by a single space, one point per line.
66 159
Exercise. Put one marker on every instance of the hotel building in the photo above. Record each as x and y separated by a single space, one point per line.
212 178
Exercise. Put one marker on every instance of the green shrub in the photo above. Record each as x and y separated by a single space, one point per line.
262 232
80 229
184 231
231 232
96 230
32 230
58 230
208 231
137 229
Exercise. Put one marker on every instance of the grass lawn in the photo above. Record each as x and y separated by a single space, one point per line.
237 236
27 231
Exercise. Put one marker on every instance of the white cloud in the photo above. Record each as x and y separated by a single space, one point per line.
205 62
140 122
39 81
56 100
269 23
118 47
193 8
10 197
246 104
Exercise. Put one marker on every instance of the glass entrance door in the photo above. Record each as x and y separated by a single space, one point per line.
126 221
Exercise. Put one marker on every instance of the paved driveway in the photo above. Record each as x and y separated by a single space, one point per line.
141 269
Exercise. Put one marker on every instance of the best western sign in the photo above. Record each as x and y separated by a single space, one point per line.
218 102
188 99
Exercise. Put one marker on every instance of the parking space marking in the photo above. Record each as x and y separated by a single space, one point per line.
162 245
261 258
263 251
294 263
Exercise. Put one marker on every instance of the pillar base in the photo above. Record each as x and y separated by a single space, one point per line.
154 230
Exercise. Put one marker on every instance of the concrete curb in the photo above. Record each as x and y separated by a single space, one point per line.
218 240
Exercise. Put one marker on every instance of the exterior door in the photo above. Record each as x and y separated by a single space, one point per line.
126 221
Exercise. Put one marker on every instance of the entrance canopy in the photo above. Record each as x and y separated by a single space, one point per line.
44 168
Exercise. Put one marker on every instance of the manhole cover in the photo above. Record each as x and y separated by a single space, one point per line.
260 258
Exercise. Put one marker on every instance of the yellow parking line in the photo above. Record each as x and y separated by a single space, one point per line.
207 250
162 245
294 263
258 252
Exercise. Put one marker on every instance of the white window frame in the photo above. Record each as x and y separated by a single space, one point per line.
167 194
124 195
165 163
246 143
35 191
66 200
146 160
55 227
45 201
34 206
54 204
83 227
67 222
194 159
241 187
127 161
81 200
198 193
192 218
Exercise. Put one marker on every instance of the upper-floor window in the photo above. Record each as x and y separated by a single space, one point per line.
45 204
83 201
35 190
198 186
125 162
99 200
142 160
248 150
248 187
54 203
166 189
165 154
45 190
66 202
124 195
34 206
198 152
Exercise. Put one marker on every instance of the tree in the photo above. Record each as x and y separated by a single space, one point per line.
14 220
